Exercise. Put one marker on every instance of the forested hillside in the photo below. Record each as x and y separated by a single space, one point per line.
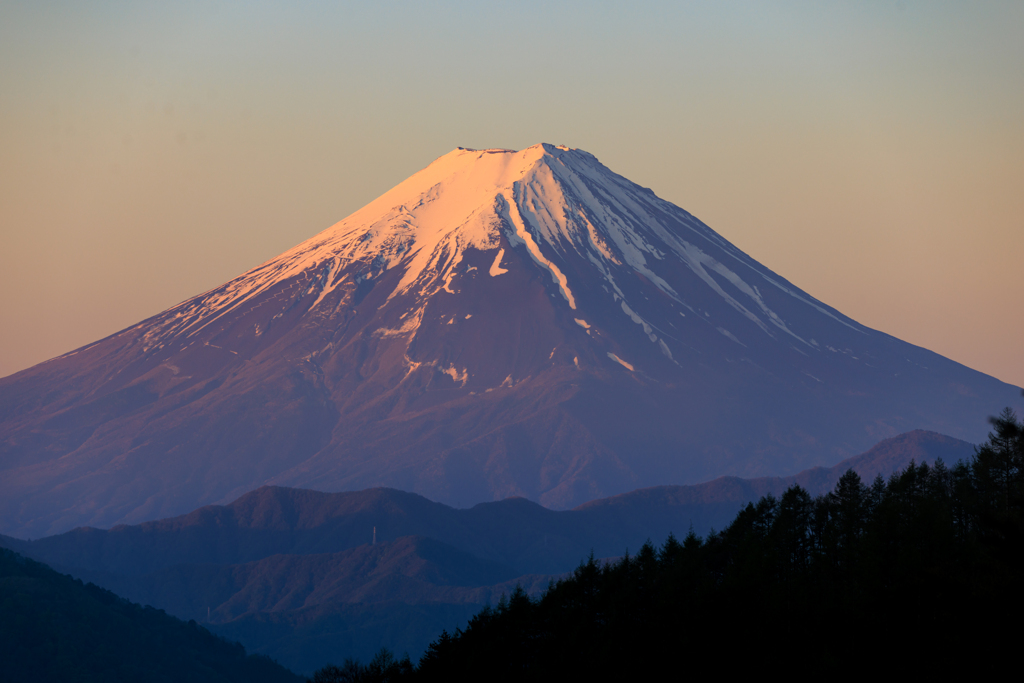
55 628
917 573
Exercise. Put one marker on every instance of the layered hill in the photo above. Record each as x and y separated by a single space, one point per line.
516 535
294 574
54 628
503 323
309 610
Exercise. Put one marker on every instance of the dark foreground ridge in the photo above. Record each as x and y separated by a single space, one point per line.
55 628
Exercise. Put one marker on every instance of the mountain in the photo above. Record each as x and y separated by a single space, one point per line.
516 534
293 574
500 324
410 570
55 628
308 610
657 511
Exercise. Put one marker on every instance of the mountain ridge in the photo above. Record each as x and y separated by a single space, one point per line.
515 532
293 573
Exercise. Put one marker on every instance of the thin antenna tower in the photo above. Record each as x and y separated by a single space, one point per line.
375 535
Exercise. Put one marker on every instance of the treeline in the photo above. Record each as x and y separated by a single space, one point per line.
921 572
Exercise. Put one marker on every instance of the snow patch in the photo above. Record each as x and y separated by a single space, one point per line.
408 327
620 361
496 268
726 333
648 330
459 378
632 315
524 236
329 282
412 365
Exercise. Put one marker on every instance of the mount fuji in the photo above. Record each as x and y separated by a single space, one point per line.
502 323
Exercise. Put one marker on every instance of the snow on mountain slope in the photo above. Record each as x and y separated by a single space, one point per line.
464 200
501 323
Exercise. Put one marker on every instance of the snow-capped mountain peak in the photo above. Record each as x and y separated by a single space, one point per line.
554 203
500 323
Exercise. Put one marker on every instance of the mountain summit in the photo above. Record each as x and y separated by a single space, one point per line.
501 323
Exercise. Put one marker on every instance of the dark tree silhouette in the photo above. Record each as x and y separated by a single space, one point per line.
866 576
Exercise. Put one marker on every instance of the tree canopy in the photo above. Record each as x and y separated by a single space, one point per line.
917 572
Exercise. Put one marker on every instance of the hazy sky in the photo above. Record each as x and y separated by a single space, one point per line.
870 152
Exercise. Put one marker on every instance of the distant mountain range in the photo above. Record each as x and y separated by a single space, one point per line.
292 573
500 324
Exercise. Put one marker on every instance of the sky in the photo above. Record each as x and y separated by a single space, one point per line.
870 152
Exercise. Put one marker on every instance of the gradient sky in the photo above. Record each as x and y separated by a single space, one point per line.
870 152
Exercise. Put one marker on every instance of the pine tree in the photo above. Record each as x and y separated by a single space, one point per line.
850 504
